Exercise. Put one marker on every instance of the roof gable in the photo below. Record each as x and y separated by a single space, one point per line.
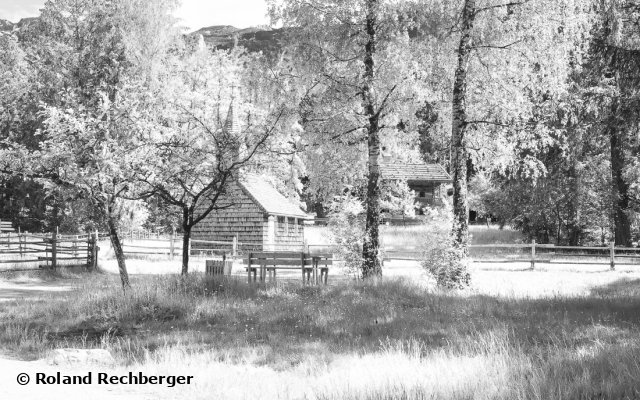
268 198
414 172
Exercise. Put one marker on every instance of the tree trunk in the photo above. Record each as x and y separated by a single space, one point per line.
117 249
371 248
619 187
186 239
459 128
574 224
575 228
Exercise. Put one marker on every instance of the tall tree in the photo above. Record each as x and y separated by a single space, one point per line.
459 127
615 57
84 54
355 80
371 246
504 51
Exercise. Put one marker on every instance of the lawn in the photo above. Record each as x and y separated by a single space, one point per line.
573 335
412 237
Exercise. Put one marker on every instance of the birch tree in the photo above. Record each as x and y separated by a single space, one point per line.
504 51
355 87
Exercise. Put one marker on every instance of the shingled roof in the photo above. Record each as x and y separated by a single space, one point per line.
414 172
269 199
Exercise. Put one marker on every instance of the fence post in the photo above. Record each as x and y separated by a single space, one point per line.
171 247
20 244
612 255
96 249
46 251
89 250
302 260
234 247
54 240
533 254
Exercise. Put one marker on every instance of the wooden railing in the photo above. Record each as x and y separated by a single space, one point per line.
30 251
6 226
534 253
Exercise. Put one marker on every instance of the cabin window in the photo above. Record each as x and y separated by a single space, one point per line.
421 195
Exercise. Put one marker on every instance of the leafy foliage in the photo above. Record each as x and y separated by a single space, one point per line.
347 225
442 258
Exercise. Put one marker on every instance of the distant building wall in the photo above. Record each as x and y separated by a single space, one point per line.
289 231
249 222
427 194
243 218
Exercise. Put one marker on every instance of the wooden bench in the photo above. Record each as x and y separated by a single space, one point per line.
314 267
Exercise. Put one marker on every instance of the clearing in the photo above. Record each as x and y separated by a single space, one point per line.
570 333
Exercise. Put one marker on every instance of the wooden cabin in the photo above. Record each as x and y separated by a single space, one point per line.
252 211
426 180
257 214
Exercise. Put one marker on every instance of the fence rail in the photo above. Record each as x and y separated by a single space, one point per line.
533 253
32 251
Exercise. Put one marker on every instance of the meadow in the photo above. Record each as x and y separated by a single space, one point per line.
396 338
412 237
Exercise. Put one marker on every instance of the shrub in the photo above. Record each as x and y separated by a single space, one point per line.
347 225
441 258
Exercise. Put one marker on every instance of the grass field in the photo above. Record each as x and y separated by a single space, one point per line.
565 335
412 237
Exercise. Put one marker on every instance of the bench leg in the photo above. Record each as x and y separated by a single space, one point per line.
324 274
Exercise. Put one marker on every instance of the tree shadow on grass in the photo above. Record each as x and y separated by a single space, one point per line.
623 287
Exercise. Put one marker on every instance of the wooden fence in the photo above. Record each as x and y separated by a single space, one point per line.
171 247
6 226
534 253
23 251
529 253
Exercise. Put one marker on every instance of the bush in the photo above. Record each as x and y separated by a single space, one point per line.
347 225
441 258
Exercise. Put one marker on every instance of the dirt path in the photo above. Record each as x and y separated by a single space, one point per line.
32 289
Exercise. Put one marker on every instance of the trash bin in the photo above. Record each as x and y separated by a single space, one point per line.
218 267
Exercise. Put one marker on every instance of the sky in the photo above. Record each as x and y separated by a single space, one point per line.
195 14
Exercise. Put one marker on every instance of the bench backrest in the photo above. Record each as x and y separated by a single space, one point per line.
287 258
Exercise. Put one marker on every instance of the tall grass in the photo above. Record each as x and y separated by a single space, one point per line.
385 340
